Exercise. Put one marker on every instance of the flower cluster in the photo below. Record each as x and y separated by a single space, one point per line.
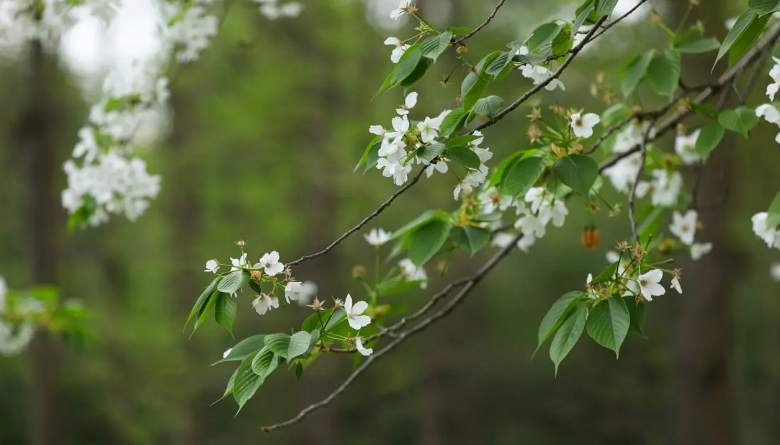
684 228
190 29
628 280
14 338
272 10
769 111
538 73
47 20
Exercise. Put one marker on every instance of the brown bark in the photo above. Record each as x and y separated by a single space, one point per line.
44 226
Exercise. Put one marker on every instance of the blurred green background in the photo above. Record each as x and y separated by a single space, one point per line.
264 132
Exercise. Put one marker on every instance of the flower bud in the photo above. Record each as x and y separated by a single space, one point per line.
358 272
590 237
241 243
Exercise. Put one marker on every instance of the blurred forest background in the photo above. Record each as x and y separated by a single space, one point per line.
261 142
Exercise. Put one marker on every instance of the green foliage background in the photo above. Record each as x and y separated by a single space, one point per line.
265 131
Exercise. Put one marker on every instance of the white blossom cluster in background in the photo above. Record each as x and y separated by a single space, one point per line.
14 339
273 9
104 177
46 20
769 111
538 73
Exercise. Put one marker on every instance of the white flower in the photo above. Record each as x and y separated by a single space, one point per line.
212 266
684 226
768 234
364 351
270 264
393 167
774 271
377 237
354 313
308 291
226 353
409 102
263 303
440 166
583 125
525 242
666 188
393 140
612 256
413 273
399 49
698 250
555 83
402 8
676 285
769 112
238 263
377 130
685 146
428 130
650 284
531 225
293 291
623 174
502 239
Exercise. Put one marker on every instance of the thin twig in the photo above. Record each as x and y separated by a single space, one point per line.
365 220
479 28
596 28
469 286
632 194
538 87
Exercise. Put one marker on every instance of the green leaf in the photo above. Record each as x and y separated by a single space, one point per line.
427 240
372 146
470 238
748 37
635 72
433 47
522 175
543 35
396 285
264 363
664 72
299 344
699 46
233 281
608 323
429 152
312 322
406 64
709 138
615 113
202 299
650 222
705 110
742 22
556 315
244 348
568 334
298 371
637 312
773 217
451 122
225 312
740 120
208 306
605 7
229 388
499 64
246 382
417 74
471 89
764 6
488 106
582 14
563 41
607 274
425 217
463 156
278 343
461 140
577 171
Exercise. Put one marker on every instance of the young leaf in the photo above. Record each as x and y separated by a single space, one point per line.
543 35
417 74
427 240
523 175
264 363
202 299
748 37
635 72
244 348
709 138
229 388
568 333
608 323
233 281
429 152
406 65
225 312
208 306
246 382
664 72
607 274
699 46
742 22
463 156
740 120
299 344
451 122
488 106
470 238
461 140
278 343
425 217
433 47
471 89
556 315
372 146
577 171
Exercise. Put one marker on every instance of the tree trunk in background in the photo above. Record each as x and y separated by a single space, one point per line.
703 381
44 224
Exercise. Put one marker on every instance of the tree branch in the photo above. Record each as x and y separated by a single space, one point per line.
479 28
468 287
